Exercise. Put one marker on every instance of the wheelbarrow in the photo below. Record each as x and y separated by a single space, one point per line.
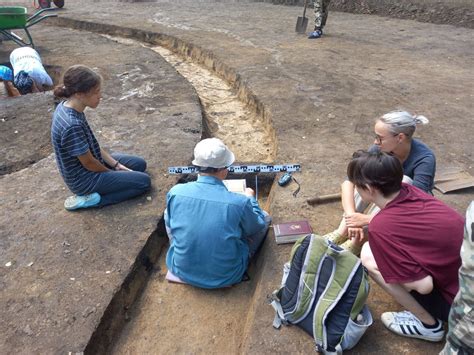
16 18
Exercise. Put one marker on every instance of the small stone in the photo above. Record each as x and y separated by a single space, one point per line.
16 132
108 272
66 244
8 264
88 311
29 264
148 198
72 278
67 251
331 116
27 330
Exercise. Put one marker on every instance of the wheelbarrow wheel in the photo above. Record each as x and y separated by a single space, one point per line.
44 4
59 3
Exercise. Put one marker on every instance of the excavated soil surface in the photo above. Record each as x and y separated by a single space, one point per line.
320 97
59 270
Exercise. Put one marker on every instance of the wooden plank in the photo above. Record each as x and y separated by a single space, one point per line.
452 179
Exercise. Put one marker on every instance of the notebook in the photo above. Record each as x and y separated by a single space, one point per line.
290 232
236 185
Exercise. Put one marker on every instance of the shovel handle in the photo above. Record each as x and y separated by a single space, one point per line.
323 199
305 5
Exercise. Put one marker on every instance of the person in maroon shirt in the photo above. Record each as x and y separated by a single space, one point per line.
413 251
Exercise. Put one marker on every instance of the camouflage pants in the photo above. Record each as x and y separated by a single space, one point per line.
320 13
460 338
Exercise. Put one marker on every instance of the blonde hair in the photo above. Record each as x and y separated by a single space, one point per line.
402 122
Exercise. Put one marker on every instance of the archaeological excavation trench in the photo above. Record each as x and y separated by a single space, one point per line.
147 307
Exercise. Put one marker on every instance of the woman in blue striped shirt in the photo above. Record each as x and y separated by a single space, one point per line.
96 177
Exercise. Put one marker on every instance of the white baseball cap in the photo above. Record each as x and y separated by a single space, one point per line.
212 153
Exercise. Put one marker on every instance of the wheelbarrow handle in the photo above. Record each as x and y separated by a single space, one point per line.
29 24
37 13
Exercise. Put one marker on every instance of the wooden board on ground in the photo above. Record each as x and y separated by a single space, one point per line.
453 178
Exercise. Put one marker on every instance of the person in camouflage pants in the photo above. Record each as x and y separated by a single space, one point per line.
460 338
320 17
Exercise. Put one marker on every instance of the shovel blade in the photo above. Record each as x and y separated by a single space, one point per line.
301 24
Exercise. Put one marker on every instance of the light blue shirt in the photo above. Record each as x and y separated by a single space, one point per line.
208 226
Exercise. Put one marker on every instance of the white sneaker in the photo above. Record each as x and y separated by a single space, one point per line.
407 325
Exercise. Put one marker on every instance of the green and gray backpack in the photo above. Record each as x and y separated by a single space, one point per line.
323 291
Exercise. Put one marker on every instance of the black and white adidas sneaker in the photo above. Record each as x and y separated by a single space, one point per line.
406 324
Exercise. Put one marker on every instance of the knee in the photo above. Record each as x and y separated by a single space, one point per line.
142 181
407 180
367 259
423 287
268 218
146 181
141 165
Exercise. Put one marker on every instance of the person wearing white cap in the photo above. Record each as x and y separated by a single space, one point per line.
213 232
29 73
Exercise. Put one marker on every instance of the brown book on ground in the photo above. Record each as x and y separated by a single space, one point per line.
290 232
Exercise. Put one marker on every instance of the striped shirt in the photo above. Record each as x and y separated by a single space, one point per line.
71 137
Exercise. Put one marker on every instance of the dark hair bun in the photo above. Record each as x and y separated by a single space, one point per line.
61 91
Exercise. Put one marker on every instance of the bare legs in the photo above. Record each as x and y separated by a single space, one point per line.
400 292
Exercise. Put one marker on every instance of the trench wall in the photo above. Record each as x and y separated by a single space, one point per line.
449 12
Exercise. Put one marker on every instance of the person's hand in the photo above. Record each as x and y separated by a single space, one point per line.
356 220
249 192
121 167
356 234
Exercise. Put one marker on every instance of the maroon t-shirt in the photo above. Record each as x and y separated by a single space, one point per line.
416 235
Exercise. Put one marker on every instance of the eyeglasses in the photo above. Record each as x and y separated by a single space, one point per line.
380 139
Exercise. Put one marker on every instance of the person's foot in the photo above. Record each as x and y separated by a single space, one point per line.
315 34
407 325
335 237
75 202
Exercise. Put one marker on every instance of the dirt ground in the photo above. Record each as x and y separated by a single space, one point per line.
59 271
320 98
447 12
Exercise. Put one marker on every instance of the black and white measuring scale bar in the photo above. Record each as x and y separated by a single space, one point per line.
239 169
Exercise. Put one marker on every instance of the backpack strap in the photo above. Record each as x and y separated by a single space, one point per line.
308 278
311 265
362 294
347 266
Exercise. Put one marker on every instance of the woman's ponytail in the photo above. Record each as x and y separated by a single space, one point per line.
77 79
